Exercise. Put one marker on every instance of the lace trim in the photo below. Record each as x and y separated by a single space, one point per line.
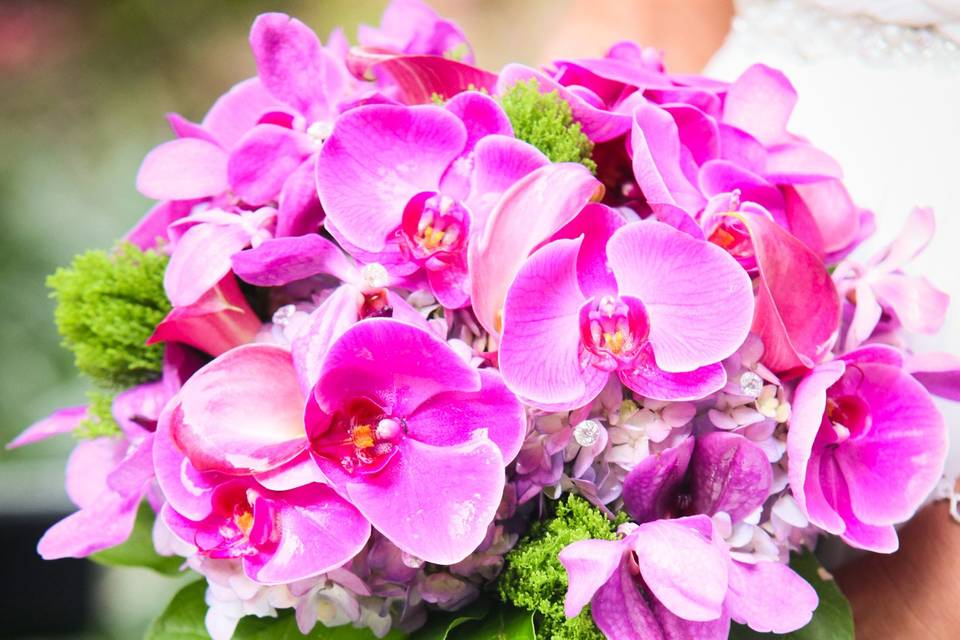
813 32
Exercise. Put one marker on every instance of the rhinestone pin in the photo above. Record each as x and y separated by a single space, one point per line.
587 433
751 384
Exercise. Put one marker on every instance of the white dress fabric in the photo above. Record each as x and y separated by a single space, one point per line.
879 87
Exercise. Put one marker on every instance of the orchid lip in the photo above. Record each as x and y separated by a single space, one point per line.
613 330
434 225
362 438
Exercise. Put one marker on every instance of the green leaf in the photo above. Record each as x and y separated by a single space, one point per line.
183 617
833 619
440 625
504 622
138 550
284 627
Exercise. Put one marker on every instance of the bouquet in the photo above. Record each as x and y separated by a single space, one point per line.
407 348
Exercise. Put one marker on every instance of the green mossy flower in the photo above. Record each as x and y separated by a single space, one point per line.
535 580
108 305
545 120
99 421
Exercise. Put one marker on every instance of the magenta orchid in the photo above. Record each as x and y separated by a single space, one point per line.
671 579
380 426
409 186
569 323
866 446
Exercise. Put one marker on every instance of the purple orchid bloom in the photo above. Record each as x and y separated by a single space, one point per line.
673 579
108 477
394 411
670 311
704 475
408 187
880 285
412 27
866 446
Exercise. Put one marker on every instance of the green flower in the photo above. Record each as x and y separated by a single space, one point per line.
535 580
108 305
99 421
545 120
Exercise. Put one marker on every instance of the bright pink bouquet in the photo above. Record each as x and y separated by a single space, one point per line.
406 342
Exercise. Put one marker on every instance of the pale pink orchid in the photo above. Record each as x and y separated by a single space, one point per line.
409 187
654 305
397 423
672 579
879 285
108 477
866 446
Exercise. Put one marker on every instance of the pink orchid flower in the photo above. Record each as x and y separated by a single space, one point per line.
108 477
275 160
675 579
265 529
408 187
412 27
687 151
879 285
866 446
670 311
397 423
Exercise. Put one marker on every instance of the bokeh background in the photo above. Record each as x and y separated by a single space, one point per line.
84 86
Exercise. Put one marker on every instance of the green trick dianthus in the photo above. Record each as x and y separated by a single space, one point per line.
545 120
535 580
108 305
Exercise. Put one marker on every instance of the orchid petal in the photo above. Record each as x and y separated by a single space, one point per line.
649 490
793 281
454 417
698 299
589 564
102 524
760 102
310 513
807 408
556 192
241 413
183 169
418 78
263 160
299 211
201 259
684 570
730 474
905 447
294 66
401 501
60 421
620 611
339 312
280 261
397 365
769 597
238 110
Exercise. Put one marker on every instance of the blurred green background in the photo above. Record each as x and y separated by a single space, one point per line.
84 87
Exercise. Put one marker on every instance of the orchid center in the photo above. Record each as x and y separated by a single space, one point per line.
361 439
613 330
434 224
848 416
